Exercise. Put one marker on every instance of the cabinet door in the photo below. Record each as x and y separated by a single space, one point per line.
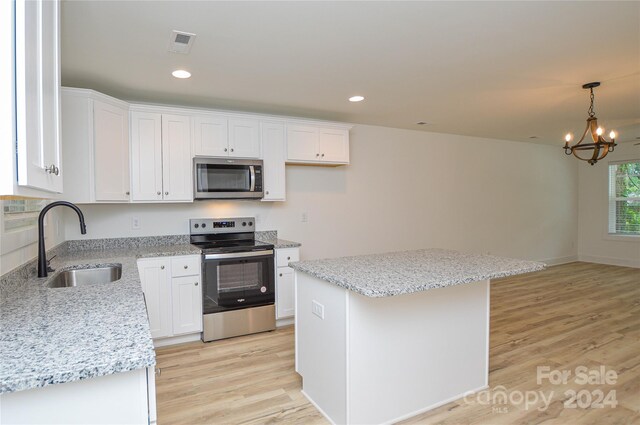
244 138
186 294
38 95
334 145
273 159
176 158
156 285
302 143
146 157
111 152
210 136
285 300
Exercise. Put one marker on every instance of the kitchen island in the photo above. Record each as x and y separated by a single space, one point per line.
380 338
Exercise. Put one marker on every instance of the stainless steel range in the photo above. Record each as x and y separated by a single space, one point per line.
238 277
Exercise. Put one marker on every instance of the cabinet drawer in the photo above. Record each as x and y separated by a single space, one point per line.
185 266
286 255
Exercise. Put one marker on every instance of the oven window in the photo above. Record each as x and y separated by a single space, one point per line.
240 276
223 178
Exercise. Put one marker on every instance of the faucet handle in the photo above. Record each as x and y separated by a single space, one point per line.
49 268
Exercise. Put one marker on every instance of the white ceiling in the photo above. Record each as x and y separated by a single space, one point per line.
506 70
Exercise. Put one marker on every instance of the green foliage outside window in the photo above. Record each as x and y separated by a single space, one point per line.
624 205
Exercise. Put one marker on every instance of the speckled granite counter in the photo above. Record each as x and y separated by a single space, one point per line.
395 273
50 336
271 236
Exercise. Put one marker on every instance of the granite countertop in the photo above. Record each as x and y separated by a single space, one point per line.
52 336
396 273
271 237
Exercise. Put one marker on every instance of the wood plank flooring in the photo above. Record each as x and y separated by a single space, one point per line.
578 314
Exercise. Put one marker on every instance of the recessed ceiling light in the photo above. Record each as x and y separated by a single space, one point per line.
181 73
356 98
422 123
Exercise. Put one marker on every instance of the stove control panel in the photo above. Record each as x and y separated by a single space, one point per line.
199 226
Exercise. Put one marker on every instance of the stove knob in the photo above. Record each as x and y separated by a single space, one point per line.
244 223
250 223
204 225
196 225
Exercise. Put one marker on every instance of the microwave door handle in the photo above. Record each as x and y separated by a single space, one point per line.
252 170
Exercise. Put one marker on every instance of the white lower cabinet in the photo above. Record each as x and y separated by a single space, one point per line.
187 304
173 294
285 288
119 398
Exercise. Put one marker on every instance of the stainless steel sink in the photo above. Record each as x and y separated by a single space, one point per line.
77 277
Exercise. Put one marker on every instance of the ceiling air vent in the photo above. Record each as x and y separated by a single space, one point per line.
181 42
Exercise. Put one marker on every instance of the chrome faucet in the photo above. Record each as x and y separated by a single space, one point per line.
42 255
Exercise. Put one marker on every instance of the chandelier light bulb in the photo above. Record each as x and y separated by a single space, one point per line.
599 131
612 135
568 137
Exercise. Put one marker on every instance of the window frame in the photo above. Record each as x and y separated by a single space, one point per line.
15 239
630 237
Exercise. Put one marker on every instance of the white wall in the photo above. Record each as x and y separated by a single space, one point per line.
16 256
595 245
403 190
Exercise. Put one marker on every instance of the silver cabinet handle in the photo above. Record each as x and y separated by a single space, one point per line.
161 267
267 192
288 258
52 169
280 274
159 193
166 193
127 193
196 284
322 155
317 155
231 149
186 267
225 149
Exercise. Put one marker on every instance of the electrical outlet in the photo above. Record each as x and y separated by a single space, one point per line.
304 217
317 309
135 223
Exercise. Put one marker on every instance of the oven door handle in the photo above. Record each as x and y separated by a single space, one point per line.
238 255
252 170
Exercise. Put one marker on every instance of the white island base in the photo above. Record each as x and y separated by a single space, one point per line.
367 360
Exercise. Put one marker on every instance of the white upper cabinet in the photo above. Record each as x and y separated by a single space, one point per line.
160 157
95 147
244 138
176 158
33 165
210 136
218 135
316 144
111 152
273 156
146 156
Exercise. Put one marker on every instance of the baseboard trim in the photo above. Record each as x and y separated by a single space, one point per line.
284 322
408 415
173 340
610 261
560 260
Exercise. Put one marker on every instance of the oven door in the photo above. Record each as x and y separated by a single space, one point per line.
216 178
236 280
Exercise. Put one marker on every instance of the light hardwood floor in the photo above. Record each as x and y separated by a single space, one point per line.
578 314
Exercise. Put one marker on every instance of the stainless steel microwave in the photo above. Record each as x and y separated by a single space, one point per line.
227 178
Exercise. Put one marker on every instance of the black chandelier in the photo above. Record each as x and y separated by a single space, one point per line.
599 148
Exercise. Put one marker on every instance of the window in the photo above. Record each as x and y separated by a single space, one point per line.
624 198
19 223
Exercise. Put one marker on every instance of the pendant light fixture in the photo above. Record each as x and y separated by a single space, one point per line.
600 147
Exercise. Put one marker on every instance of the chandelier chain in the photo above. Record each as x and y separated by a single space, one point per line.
591 111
